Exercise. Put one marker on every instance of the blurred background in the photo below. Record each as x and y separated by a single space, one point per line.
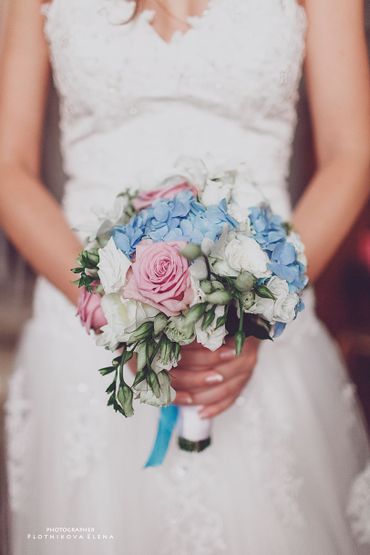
343 292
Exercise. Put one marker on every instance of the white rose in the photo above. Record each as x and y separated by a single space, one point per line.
278 287
124 316
211 338
285 303
284 309
215 191
263 307
244 254
113 266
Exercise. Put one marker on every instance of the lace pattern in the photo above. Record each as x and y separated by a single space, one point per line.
191 525
18 430
359 506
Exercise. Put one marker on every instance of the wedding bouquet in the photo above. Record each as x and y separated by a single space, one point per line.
180 263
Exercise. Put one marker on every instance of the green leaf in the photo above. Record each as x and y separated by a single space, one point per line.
77 270
126 356
107 370
111 388
125 398
111 400
153 383
264 292
221 320
140 377
208 318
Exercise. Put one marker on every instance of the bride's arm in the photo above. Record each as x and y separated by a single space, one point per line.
338 83
28 213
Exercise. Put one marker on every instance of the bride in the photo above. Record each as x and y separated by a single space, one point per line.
140 85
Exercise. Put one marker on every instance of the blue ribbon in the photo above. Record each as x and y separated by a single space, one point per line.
167 421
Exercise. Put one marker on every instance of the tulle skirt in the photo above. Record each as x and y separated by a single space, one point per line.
286 472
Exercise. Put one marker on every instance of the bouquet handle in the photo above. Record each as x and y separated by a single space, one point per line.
194 432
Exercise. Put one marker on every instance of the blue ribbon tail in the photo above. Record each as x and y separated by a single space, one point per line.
166 425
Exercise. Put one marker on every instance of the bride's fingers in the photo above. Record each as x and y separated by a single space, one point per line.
199 356
188 380
214 410
218 393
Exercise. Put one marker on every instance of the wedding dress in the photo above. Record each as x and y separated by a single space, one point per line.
286 473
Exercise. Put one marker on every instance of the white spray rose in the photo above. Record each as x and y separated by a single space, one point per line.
286 302
124 316
243 254
263 307
282 309
113 267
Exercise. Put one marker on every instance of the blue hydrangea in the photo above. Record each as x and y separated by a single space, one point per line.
285 265
268 227
271 234
182 218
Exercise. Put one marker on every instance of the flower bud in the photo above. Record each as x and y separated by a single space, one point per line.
194 314
178 332
217 286
165 350
142 332
244 282
219 297
160 322
206 286
191 251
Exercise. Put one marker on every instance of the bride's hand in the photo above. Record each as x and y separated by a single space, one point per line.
213 380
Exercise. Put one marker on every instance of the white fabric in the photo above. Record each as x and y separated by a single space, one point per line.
278 477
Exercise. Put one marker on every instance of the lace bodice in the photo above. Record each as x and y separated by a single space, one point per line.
132 103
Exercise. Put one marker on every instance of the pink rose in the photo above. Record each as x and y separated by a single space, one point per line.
90 311
146 198
160 277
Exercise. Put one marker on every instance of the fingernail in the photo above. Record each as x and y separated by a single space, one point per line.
204 414
214 378
226 355
184 400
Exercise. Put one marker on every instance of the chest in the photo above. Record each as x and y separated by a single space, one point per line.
242 55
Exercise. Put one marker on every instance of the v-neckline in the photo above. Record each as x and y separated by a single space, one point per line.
194 21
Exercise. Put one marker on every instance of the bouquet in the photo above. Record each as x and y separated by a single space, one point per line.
180 263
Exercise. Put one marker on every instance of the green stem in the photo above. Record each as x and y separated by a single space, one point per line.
241 317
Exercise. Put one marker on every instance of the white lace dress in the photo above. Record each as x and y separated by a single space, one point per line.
286 457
